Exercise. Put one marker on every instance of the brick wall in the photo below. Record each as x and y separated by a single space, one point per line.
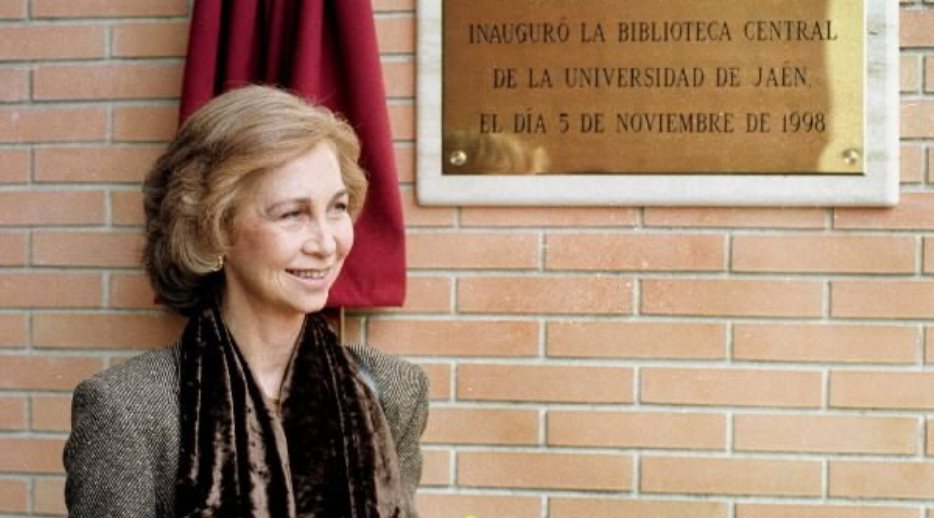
639 362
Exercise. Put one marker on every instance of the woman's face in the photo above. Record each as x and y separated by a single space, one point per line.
290 236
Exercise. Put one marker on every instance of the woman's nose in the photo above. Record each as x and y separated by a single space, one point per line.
320 240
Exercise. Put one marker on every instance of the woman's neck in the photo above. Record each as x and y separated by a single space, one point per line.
265 338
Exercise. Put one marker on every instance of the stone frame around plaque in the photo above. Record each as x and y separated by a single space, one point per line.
877 186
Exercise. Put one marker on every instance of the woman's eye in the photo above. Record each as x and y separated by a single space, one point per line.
341 206
291 214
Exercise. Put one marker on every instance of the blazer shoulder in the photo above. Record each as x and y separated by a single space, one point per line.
396 379
121 454
142 373
143 389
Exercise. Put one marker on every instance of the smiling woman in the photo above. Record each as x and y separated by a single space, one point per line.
291 235
256 410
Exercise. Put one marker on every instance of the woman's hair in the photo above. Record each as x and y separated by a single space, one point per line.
194 189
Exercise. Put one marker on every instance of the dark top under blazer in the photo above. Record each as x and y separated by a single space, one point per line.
122 454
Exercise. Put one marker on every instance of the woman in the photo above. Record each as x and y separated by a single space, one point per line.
256 410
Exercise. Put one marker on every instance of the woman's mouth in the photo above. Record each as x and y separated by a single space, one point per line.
310 274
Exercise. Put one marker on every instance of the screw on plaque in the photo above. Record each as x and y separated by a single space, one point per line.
457 158
851 156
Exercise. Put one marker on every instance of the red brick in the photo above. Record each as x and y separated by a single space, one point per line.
455 337
424 216
448 250
426 295
666 340
928 254
120 249
822 433
433 505
43 41
436 468
744 510
12 413
50 496
396 35
402 121
631 508
544 470
929 74
14 166
911 164
96 331
882 389
393 5
12 248
916 117
909 73
399 78
481 426
51 413
729 217
49 290
14 83
34 124
825 343
614 217
439 380
145 123
118 81
12 9
19 372
545 294
915 211
13 331
915 29
405 162
51 207
636 429
740 297
544 383
929 437
131 291
107 8
638 252
150 39
824 254
731 387
353 330
882 299
95 164
763 477
31 455
126 207
14 496
909 480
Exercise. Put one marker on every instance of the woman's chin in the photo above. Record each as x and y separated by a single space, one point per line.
313 304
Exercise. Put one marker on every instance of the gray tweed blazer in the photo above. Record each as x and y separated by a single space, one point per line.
122 454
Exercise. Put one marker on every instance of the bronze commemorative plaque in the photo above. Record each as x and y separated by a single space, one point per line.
653 87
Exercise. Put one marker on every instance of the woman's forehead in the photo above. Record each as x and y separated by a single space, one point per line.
313 174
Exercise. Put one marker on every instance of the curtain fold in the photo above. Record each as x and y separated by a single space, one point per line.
326 51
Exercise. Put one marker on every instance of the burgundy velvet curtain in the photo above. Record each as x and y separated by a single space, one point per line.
326 51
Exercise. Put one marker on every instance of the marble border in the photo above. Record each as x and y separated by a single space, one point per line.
878 187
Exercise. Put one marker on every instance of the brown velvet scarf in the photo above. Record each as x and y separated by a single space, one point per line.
338 459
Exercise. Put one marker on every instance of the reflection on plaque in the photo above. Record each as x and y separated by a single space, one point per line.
662 87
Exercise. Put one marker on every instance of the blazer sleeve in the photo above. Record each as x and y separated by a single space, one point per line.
108 469
403 394
408 446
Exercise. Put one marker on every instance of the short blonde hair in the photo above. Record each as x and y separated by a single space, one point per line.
194 189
